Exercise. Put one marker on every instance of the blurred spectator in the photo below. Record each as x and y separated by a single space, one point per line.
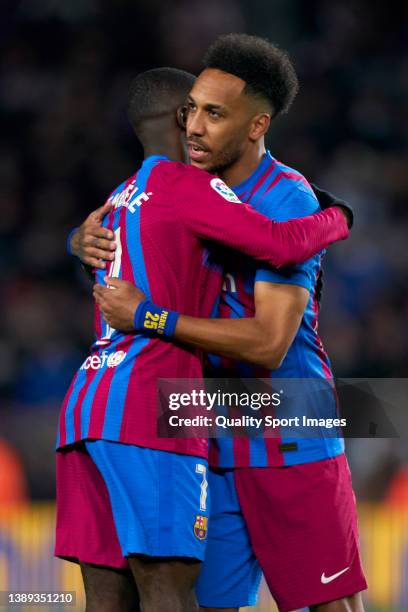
398 491
13 485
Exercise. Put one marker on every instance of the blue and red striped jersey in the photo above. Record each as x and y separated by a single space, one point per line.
280 193
161 218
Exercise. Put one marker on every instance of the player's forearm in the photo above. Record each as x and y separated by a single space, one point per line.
241 339
300 239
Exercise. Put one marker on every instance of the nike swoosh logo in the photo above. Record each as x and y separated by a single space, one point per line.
327 579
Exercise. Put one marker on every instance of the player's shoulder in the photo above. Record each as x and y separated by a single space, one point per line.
162 174
189 180
292 196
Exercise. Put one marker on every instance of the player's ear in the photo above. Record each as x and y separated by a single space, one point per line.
259 126
182 117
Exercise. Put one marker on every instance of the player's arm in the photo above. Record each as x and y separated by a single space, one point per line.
92 243
218 215
263 339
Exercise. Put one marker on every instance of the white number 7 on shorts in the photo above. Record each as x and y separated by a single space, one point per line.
201 469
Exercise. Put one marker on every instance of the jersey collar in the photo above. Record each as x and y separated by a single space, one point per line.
248 183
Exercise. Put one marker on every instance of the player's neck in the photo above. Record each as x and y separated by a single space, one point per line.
245 165
162 138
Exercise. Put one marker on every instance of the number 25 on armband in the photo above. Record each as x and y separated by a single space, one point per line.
151 320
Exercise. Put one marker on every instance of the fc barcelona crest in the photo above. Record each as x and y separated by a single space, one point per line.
200 527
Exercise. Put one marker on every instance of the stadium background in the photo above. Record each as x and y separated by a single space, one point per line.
64 72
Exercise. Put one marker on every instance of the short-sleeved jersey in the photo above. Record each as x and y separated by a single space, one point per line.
161 218
280 193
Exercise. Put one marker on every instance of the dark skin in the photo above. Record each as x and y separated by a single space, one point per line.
108 589
162 584
225 134
166 583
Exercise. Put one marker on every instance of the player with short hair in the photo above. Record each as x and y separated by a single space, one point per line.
282 505
125 496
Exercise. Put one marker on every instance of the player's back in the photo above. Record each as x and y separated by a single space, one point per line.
155 250
114 395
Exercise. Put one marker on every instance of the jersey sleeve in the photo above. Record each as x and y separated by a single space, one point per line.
304 274
211 210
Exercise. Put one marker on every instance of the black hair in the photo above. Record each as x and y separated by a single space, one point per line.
157 92
266 69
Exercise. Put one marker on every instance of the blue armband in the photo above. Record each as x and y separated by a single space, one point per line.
71 233
155 320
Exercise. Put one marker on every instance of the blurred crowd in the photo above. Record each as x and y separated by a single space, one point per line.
65 68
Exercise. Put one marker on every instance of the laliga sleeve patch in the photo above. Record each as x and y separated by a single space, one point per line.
220 187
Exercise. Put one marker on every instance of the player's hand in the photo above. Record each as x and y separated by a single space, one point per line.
118 302
92 243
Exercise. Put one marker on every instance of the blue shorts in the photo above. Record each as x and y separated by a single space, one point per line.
231 574
159 499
